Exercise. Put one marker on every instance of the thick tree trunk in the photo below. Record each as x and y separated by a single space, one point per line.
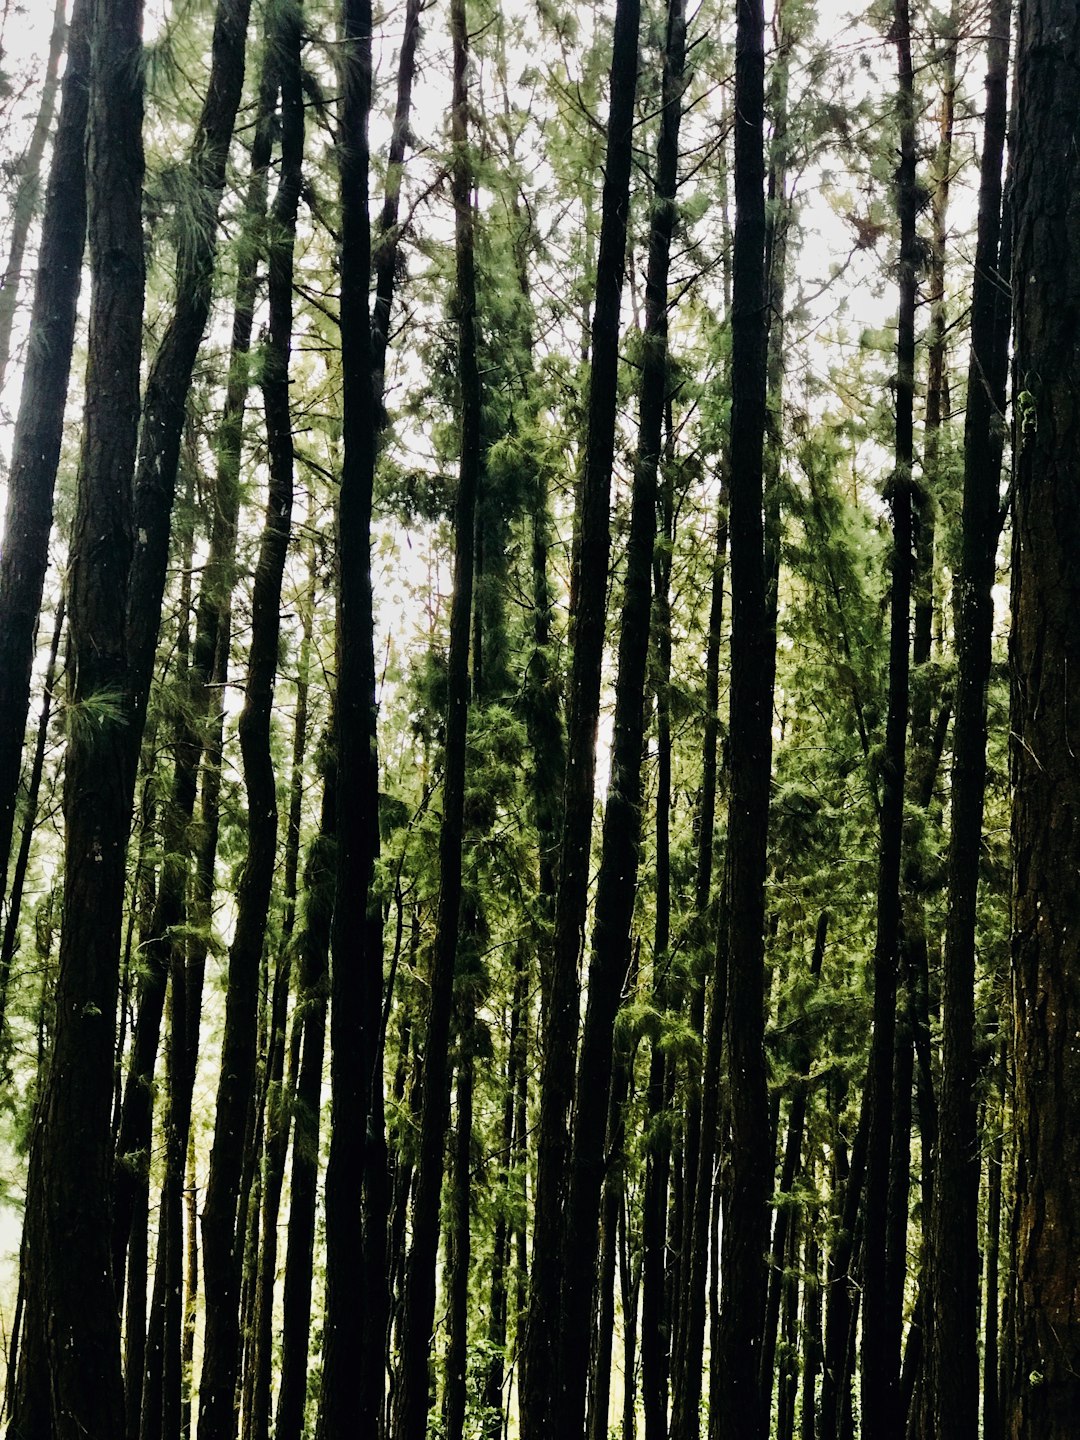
354 1329
541 1383
953 1263
1045 649
70 1304
222 1226
38 431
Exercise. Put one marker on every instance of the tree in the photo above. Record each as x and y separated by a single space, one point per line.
953 1238
1043 1385
36 450
70 1380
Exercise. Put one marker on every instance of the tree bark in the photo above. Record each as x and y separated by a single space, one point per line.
222 1230
953 1266
743 1273
411 1398
71 1386
1045 649
882 1307
617 881
541 1384
39 428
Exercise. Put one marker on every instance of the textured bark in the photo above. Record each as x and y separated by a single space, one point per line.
39 428
222 1222
882 1308
540 1380
1045 650
953 1268
743 1274
70 1302
411 1398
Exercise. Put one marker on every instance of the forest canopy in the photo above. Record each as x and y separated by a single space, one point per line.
538 665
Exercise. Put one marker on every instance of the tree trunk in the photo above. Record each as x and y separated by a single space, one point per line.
953 1232
1045 648
412 1399
27 178
222 1229
743 1274
617 882
541 1383
310 1017
882 1308
70 1383
357 1263
39 429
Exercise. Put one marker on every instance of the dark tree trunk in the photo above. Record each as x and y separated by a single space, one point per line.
162 421
222 1224
38 431
811 1336
169 381
280 1086
541 1383
655 1293
991 1399
743 1274
70 1382
882 1307
354 1329
459 1246
357 1252
412 1396
27 178
617 882
952 1268
310 1018
1045 648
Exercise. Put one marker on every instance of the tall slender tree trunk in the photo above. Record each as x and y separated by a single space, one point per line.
953 1235
882 1307
27 179
310 1018
39 428
541 1383
743 1273
356 1172
1045 650
70 1381
617 882
411 1399
222 1224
